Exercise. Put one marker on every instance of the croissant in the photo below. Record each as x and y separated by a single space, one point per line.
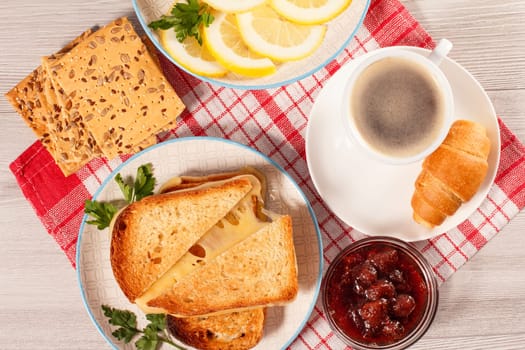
452 174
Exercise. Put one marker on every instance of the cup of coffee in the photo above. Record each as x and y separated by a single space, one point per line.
397 105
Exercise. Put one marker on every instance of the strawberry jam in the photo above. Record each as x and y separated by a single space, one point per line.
376 294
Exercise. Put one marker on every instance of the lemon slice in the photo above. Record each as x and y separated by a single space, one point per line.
231 6
224 42
269 34
190 55
309 11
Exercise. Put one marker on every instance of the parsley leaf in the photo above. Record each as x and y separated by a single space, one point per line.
144 182
125 334
102 213
143 186
123 318
126 189
152 335
158 321
147 342
186 20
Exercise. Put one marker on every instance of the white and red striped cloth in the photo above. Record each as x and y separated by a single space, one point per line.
274 122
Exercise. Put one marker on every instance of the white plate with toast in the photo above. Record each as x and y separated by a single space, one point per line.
201 156
372 197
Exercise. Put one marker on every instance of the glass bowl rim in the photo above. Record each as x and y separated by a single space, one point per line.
428 275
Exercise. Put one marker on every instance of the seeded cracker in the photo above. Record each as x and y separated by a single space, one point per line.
72 144
117 89
72 147
72 129
30 100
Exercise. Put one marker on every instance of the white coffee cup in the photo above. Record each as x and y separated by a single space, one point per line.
397 104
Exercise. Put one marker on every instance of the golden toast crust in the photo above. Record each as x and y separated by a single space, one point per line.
150 235
231 331
259 271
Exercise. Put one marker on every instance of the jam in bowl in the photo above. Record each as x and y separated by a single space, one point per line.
379 293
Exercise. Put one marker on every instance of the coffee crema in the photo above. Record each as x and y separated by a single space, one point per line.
397 106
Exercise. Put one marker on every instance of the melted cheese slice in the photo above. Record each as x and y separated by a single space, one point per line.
242 221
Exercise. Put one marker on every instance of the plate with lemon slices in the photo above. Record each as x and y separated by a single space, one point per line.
251 44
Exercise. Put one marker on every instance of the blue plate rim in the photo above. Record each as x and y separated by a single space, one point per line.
213 139
216 82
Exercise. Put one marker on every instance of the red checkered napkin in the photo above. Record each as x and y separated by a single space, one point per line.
274 122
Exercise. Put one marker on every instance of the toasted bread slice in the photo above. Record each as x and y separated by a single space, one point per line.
186 181
244 219
231 331
259 271
150 235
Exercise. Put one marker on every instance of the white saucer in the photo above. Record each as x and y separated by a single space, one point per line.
372 197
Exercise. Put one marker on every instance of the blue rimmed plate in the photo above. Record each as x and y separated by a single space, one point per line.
204 155
339 32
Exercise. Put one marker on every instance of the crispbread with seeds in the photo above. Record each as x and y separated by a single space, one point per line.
72 147
32 100
28 99
69 116
55 116
75 41
118 90
151 48
154 54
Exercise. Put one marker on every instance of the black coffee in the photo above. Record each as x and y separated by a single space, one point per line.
398 107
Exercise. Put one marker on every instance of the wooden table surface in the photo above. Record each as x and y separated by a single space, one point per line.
481 307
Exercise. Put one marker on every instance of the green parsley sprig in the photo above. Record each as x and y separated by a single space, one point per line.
154 334
102 213
141 187
186 20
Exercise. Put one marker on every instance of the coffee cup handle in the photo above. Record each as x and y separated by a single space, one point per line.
440 51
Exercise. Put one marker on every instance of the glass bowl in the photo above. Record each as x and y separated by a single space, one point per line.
379 293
